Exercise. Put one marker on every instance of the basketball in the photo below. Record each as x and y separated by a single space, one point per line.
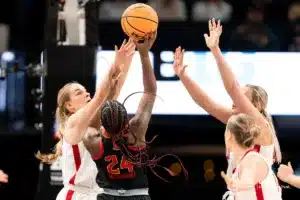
139 19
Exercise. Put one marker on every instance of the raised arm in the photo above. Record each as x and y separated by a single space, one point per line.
229 80
139 123
197 93
123 58
79 121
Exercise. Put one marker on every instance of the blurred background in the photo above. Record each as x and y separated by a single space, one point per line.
261 40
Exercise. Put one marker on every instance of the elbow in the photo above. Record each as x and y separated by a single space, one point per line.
154 89
136 121
151 89
71 137
154 86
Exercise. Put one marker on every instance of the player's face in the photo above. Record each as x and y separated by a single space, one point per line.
79 97
248 92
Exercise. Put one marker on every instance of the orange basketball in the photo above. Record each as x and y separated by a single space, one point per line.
139 19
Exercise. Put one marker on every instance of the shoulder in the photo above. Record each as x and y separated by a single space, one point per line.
257 167
91 132
91 135
253 161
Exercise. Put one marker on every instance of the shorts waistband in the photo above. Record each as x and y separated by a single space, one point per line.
121 192
84 190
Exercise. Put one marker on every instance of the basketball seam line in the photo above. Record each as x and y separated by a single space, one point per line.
140 18
125 29
133 27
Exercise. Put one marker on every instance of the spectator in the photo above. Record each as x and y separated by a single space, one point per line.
253 34
205 10
112 10
169 10
294 34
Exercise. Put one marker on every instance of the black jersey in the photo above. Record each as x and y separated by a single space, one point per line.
115 171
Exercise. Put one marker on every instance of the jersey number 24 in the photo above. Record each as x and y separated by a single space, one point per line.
112 167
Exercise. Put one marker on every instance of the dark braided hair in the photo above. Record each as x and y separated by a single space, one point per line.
115 121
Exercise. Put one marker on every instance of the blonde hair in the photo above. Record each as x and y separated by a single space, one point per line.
61 116
244 129
260 101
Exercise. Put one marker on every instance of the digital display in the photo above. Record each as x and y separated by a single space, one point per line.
277 73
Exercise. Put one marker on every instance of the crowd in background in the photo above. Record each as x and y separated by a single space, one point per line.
258 25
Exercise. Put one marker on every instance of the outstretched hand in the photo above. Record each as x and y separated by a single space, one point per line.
145 45
125 54
178 65
114 75
215 31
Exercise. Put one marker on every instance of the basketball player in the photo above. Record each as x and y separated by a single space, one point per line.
120 152
75 112
249 99
3 177
241 101
253 178
286 174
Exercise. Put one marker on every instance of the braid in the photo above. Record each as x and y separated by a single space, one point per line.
115 121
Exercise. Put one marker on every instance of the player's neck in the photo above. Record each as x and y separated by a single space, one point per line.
240 152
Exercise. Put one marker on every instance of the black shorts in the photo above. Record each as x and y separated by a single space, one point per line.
111 197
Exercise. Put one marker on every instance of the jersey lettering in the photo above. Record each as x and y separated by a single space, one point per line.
125 164
114 171
113 161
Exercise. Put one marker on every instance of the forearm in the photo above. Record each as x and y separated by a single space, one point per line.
95 121
205 101
77 124
228 77
79 121
294 181
197 93
149 79
115 92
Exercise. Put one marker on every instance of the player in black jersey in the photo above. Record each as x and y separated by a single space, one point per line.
120 154
118 175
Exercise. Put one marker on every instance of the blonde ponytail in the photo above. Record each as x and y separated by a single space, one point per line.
260 100
278 155
61 118
50 158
